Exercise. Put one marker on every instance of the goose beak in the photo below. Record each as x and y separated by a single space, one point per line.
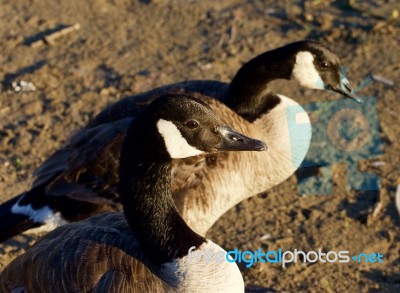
235 141
344 88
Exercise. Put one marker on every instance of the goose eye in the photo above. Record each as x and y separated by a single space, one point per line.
324 65
192 124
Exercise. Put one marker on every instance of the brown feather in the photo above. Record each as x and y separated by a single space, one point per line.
113 250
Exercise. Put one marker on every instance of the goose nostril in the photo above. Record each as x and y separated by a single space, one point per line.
347 86
235 138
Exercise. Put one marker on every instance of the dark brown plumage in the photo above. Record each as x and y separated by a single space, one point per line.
68 250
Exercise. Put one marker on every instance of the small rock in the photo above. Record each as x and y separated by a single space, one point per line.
378 164
308 17
266 237
23 86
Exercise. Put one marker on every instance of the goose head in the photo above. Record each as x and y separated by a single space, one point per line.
308 62
316 67
188 127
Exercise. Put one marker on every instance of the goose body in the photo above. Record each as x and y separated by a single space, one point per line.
80 179
120 267
145 248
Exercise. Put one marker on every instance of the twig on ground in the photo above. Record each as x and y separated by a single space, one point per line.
51 39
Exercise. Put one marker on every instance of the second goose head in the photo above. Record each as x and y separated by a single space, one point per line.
316 67
308 62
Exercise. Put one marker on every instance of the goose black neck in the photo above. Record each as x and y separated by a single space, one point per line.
145 188
248 93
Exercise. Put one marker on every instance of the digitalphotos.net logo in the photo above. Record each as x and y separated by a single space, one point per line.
249 258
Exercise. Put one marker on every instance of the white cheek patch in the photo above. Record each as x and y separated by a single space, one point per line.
176 144
305 73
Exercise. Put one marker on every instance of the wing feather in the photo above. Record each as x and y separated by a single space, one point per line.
94 257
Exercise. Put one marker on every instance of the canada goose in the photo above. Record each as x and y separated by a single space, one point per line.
147 251
79 180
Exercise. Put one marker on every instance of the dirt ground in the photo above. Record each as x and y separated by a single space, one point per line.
124 47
